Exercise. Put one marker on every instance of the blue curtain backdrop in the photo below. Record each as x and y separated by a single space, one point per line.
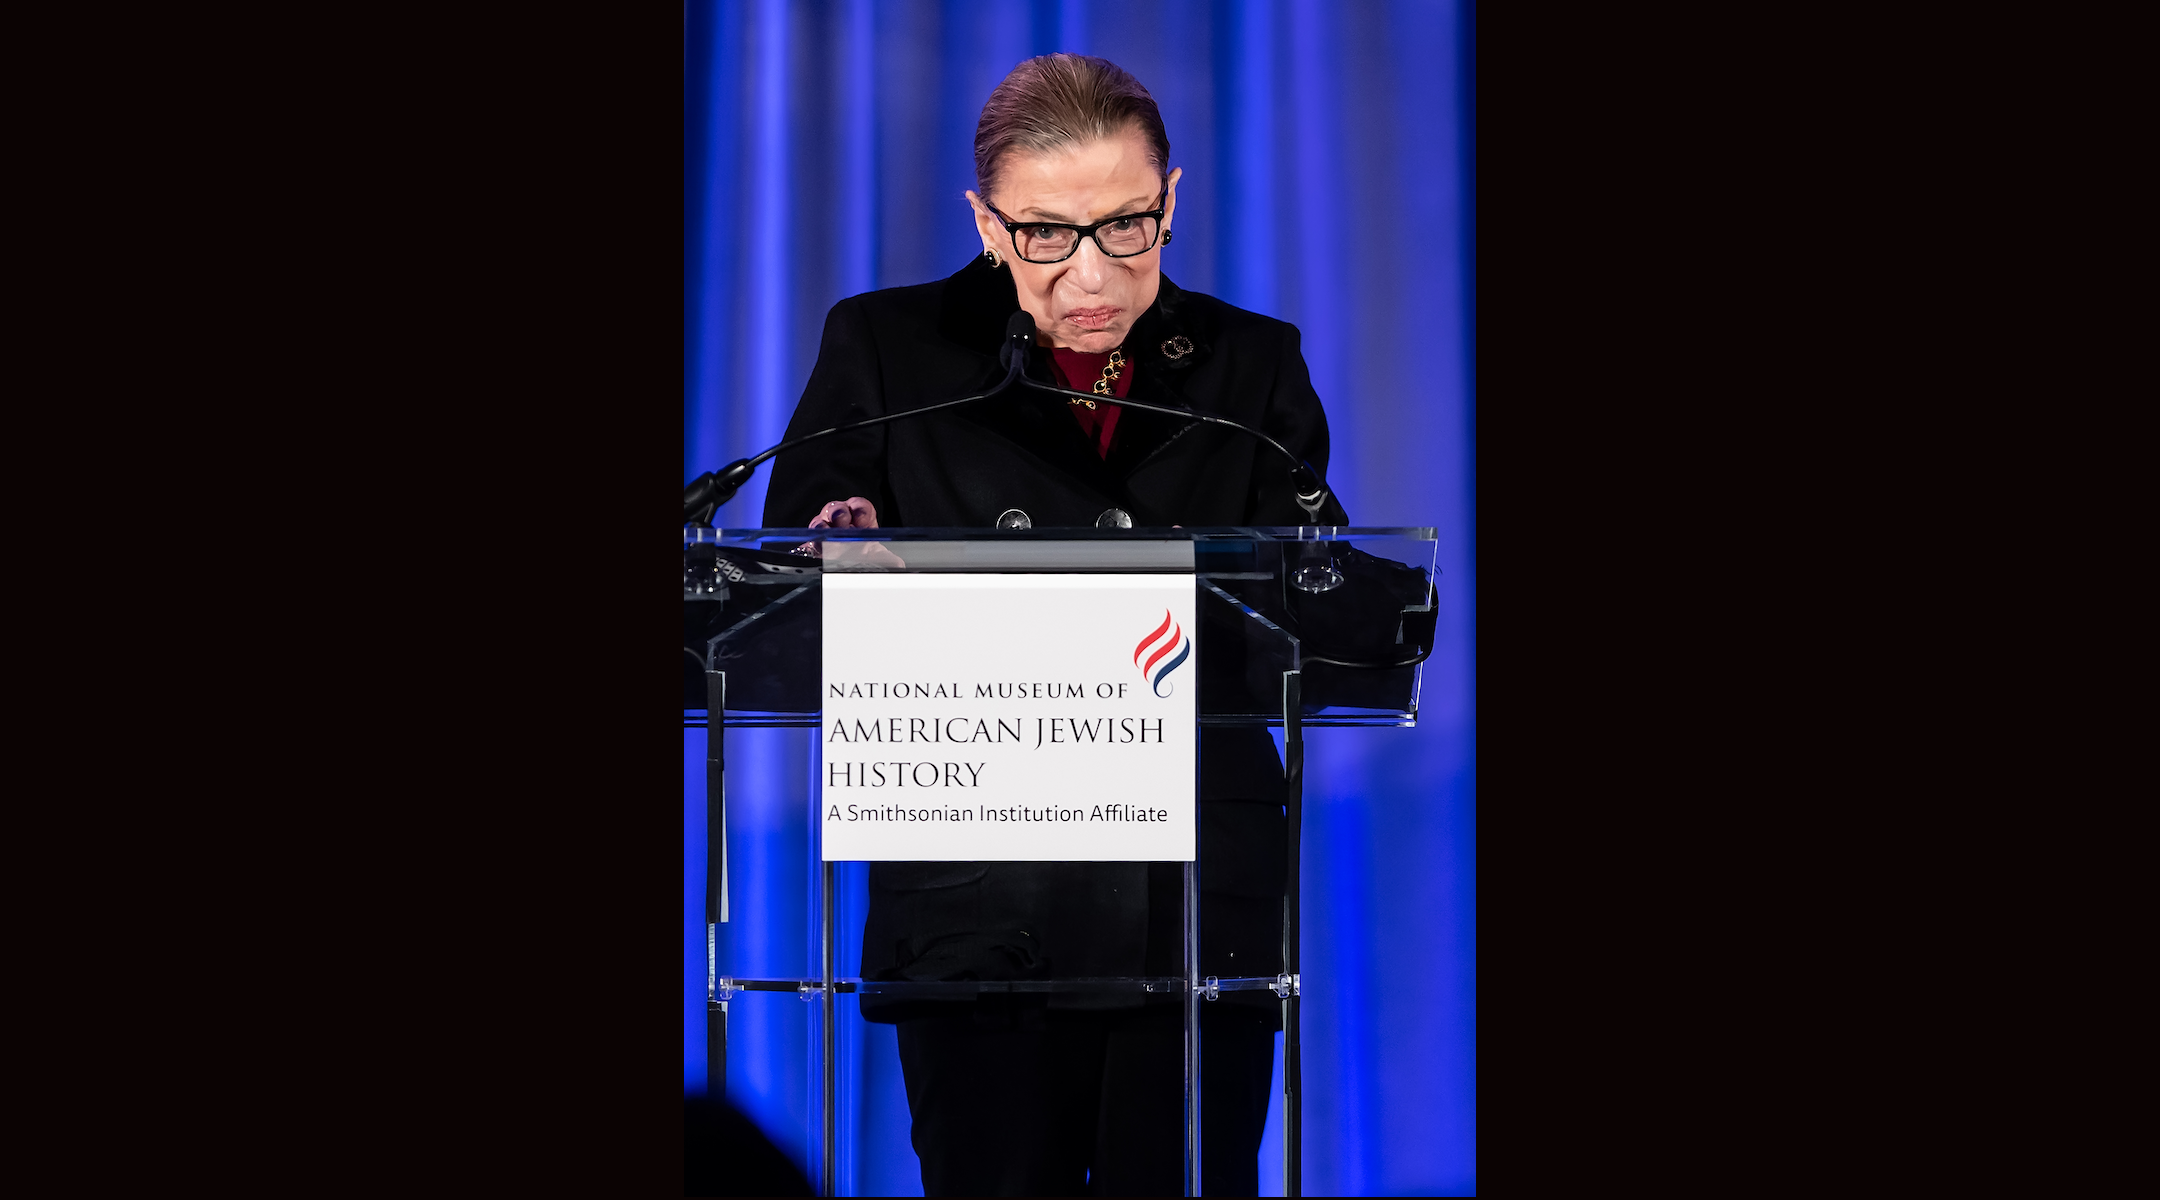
1328 181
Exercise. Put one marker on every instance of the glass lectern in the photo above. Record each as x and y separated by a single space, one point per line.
1291 627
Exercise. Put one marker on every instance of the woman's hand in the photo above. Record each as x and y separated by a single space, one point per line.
851 513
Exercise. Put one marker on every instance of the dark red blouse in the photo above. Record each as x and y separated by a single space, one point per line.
1079 372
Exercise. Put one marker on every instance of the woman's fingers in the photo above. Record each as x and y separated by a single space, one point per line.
851 513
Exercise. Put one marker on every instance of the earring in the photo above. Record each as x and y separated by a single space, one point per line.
1166 236
992 256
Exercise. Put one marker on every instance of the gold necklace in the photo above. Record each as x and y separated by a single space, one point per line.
1110 372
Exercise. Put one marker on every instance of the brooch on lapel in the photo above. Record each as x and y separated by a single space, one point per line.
1177 347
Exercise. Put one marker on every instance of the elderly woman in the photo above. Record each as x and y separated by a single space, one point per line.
1076 202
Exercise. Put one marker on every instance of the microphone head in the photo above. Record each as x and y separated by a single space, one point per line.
1019 338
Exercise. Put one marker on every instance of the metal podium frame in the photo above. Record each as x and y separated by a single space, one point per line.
1197 990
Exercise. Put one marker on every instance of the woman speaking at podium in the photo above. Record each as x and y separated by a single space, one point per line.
1074 1093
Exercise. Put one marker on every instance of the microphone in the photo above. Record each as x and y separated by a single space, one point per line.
1019 340
714 488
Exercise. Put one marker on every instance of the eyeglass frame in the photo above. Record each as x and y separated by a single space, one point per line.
1084 231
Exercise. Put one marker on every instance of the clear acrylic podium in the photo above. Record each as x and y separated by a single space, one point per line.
1297 627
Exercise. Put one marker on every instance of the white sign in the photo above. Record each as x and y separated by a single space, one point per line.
1035 718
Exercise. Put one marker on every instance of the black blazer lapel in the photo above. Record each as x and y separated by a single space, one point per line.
1042 424
1163 345
973 307
1164 349
972 311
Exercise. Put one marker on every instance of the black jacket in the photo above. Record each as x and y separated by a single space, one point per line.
907 347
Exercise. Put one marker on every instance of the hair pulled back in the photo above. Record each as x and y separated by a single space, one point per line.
1061 100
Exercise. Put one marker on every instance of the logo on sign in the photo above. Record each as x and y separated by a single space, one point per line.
1166 650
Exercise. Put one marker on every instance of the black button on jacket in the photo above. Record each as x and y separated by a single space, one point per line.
904 348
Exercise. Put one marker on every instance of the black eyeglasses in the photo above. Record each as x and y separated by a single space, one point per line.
1121 236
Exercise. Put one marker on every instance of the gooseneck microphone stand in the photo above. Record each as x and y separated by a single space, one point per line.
709 491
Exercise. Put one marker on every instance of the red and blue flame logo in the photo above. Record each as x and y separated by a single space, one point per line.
1167 646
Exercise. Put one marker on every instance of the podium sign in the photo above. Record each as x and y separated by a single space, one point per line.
1009 717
